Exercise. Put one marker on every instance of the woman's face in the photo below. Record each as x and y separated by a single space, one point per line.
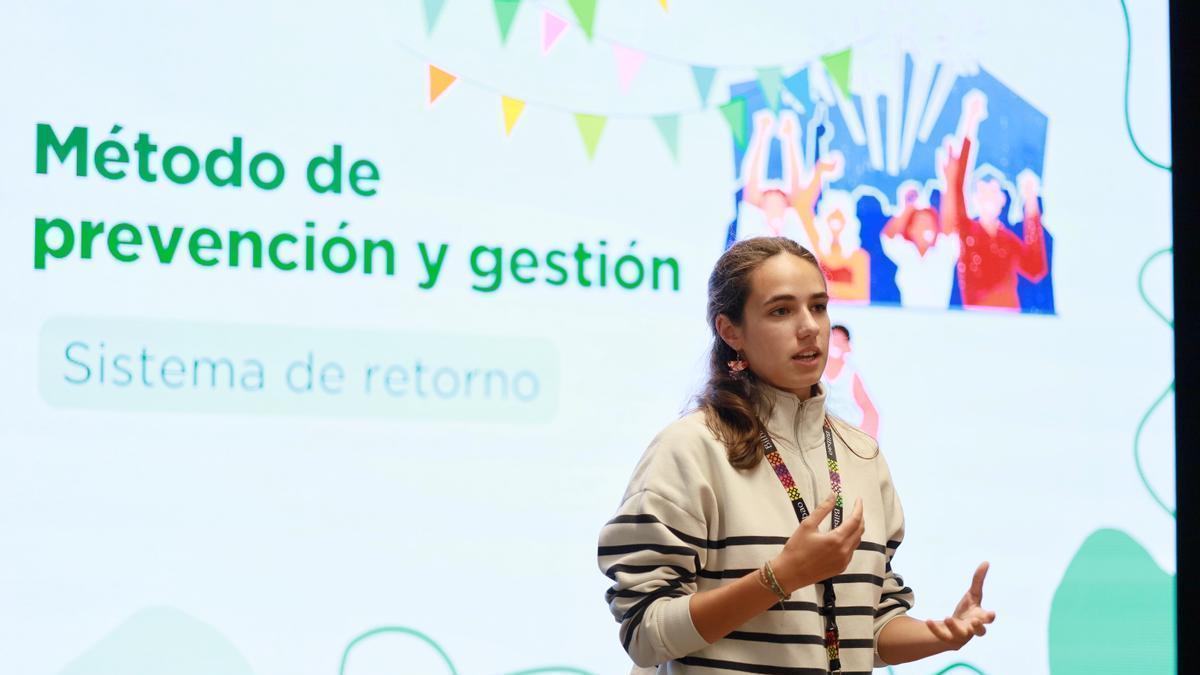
785 325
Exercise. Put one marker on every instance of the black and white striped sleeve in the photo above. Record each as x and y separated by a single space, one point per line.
653 550
896 598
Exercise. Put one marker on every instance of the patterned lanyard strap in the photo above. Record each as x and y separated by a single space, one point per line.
829 597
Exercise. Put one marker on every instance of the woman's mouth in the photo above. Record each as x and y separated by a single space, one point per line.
807 357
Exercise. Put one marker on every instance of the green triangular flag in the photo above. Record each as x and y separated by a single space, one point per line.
585 13
838 67
668 127
506 11
590 128
704 81
735 114
771 81
433 9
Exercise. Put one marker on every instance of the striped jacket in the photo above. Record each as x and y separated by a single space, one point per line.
690 522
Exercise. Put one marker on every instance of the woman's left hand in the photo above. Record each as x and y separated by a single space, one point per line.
969 618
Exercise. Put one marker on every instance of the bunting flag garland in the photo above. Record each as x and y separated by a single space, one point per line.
553 27
512 107
629 62
838 67
836 71
771 82
506 12
735 114
439 81
590 128
433 9
668 128
704 81
585 13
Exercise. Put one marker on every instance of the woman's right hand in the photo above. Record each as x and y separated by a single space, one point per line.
811 556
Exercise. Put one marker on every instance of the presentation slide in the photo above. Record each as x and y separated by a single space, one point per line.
332 332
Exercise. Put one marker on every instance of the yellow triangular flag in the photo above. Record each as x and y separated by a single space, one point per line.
439 81
513 107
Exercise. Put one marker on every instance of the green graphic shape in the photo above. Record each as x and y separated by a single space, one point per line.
1137 435
160 641
704 81
949 669
432 644
1128 67
433 9
771 82
590 128
506 11
960 666
838 67
585 13
668 128
1113 612
735 114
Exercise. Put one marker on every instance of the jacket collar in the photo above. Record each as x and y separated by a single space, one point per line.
795 421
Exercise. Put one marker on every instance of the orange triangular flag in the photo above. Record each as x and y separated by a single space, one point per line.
513 107
439 81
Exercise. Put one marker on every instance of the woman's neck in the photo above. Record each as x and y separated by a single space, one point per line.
804 393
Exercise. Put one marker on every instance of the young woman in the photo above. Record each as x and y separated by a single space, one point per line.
711 570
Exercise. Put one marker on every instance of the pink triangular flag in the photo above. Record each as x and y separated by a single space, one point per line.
552 29
629 62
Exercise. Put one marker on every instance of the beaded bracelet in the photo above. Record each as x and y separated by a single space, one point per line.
762 581
766 577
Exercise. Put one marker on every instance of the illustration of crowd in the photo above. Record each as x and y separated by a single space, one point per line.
953 239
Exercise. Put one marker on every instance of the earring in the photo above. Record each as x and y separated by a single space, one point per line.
737 365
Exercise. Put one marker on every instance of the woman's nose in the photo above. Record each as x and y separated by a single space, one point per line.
807 324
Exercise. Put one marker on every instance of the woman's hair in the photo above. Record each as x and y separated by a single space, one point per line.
730 402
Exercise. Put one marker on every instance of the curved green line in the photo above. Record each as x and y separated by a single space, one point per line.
1128 65
948 668
1137 457
403 630
952 666
1142 287
412 632
1137 435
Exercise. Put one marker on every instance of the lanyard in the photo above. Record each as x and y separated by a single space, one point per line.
829 597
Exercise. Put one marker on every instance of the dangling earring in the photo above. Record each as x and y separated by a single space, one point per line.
737 365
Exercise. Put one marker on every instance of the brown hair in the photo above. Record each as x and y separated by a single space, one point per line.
729 402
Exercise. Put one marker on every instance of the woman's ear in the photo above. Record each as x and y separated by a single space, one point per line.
729 332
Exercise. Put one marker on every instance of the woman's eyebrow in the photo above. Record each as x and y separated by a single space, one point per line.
779 297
